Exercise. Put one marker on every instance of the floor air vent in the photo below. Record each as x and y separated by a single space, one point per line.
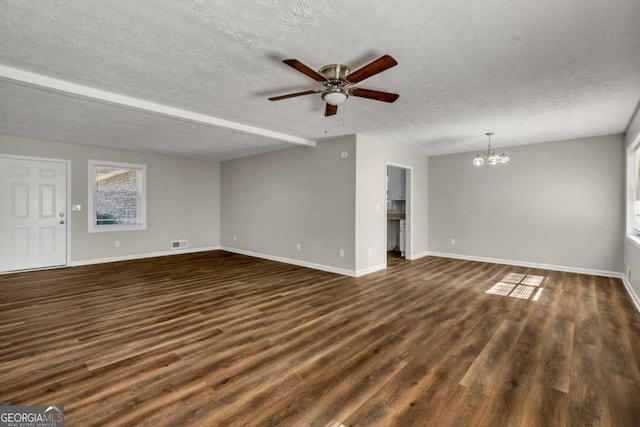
179 244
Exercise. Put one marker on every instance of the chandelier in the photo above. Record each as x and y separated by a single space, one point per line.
489 156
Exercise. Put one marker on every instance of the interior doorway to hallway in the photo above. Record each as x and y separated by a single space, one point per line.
398 195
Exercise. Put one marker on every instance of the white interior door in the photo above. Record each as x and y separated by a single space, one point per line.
33 217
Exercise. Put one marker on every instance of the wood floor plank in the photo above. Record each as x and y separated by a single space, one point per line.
622 393
519 381
587 323
432 378
485 369
558 352
216 338
616 349
588 390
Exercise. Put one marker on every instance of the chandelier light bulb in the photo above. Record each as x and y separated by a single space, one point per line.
493 159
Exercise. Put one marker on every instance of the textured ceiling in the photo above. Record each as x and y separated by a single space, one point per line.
530 71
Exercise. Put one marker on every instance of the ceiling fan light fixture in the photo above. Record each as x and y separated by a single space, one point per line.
335 96
338 80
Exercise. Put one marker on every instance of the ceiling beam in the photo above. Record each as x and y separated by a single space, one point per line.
60 86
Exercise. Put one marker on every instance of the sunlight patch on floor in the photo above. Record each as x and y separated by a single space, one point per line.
514 277
517 285
531 280
500 288
522 292
537 295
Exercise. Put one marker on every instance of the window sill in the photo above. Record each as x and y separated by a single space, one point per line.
634 240
107 228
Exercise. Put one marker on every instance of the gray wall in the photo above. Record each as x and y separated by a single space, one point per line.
303 195
183 199
559 203
372 158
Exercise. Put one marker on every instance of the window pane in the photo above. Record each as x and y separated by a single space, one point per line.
117 195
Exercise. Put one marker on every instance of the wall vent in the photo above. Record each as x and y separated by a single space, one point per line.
179 244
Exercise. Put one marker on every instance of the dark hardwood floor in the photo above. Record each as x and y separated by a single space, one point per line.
218 339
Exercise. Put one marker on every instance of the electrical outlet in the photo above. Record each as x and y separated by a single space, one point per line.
116 243
342 253
369 250
453 242
299 246
234 238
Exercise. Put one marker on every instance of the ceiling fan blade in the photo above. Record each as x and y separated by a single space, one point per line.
374 94
330 110
293 95
379 65
294 63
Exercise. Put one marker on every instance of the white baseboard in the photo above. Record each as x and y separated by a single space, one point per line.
630 291
298 262
553 267
420 255
370 270
141 256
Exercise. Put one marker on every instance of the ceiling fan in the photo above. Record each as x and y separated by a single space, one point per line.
337 82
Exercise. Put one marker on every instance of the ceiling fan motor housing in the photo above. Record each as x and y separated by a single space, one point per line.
333 72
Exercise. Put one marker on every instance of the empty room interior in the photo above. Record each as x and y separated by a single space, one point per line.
322 213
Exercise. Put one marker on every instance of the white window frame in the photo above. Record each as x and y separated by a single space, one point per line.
632 234
142 198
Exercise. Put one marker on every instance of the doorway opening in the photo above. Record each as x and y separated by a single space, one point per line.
398 224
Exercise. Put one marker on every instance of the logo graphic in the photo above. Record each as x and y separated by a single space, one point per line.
32 416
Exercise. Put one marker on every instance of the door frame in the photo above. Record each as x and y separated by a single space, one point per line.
408 189
67 163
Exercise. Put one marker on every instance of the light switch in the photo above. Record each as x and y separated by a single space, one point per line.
76 208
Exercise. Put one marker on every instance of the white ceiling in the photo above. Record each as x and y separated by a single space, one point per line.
192 77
